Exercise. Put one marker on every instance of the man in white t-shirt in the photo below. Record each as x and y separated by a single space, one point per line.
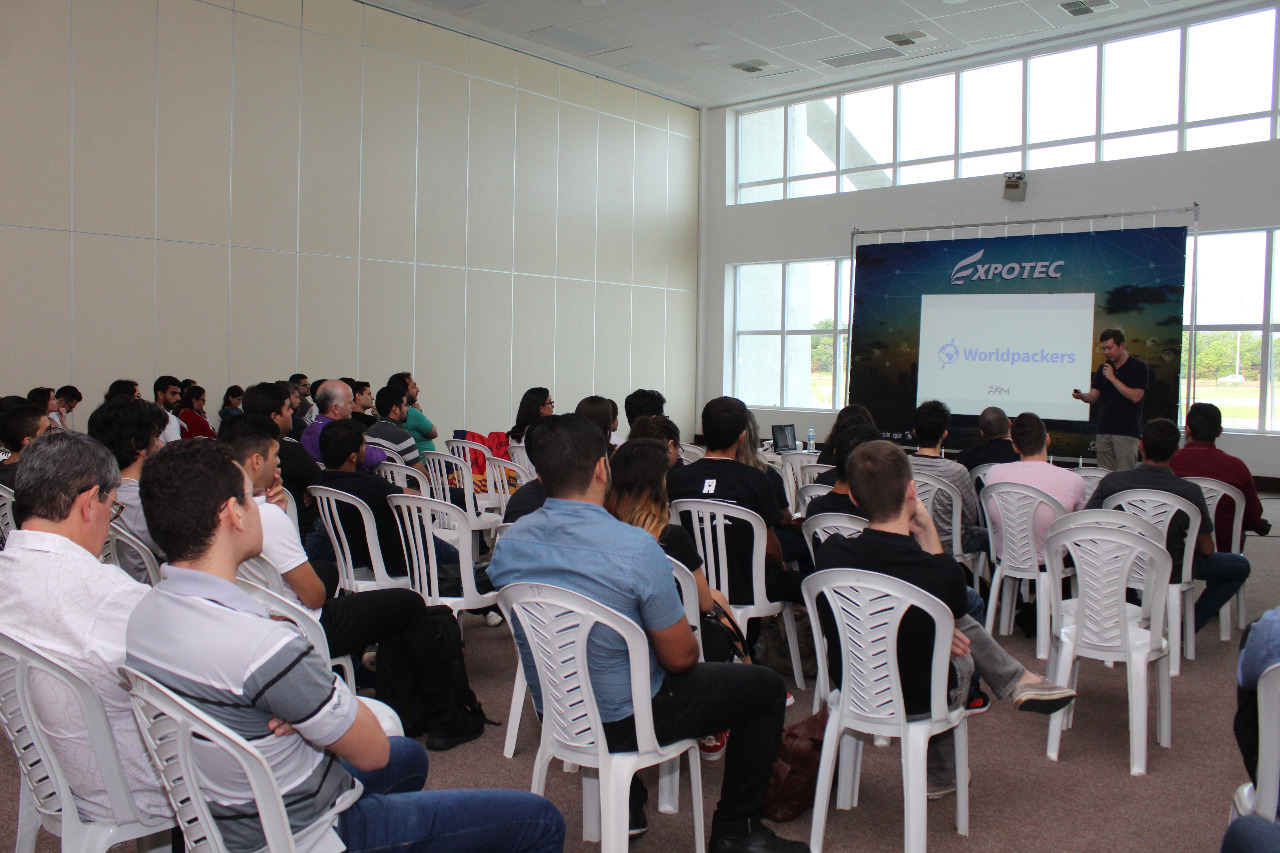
1034 469
168 394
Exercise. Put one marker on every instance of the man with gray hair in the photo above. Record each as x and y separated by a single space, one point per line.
56 598
334 402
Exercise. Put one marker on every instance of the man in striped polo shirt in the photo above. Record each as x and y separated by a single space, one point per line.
345 785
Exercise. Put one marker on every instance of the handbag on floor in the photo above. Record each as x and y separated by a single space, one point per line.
794 779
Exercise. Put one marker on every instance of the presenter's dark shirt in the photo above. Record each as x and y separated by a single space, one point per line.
1116 415
995 451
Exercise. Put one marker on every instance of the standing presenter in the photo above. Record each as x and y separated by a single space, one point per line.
1118 387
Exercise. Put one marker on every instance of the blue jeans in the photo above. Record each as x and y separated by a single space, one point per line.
1223 574
1251 834
394 813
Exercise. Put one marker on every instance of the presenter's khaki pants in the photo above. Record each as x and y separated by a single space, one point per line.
1117 452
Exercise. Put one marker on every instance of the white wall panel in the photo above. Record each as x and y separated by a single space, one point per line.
192 321
389 156
615 200
328 308
442 166
613 342
491 176
575 342
442 341
264 312
329 166
386 319
37 275
576 212
488 352
537 145
533 339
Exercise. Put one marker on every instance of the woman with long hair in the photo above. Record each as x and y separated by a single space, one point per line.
535 403
231 401
195 424
600 411
850 415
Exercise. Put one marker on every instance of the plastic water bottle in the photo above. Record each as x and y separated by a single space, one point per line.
813 444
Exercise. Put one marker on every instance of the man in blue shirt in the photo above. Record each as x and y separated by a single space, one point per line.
572 542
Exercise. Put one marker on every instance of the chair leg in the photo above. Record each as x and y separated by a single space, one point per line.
793 643
1137 716
962 776
822 792
695 793
1042 617
1242 613
541 762
592 819
849 770
1059 673
1224 623
669 786
1173 624
994 604
915 782
1164 705
517 709
1189 623
28 819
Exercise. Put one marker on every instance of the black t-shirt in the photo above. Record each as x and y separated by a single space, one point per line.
826 478
732 482
899 556
298 470
9 473
779 488
832 502
676 543
362 418
995 451
373 490
1116 415
528 498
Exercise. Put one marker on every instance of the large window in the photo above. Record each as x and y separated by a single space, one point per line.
1198 86
792 334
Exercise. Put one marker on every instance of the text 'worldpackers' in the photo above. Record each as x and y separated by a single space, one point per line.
1013 357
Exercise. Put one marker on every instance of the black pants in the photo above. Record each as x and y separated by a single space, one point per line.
747 700
356 620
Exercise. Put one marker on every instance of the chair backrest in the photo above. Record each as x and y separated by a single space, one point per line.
328 501
276 604
688 596
706 522
465 451
791 463
399 474
928 487
1116 520
23 722
818 528
1092 476
170 726
556 624
1104 559
977 475
1159 508
418 519
520 456
1214 492
692 452
868 609
260 571
7 523
1011 512
442 468
500 473
393 455
1268 775
291 509
121 543
807 493
809 473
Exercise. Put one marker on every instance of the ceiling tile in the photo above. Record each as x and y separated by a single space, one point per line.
938 8
850 17
791 28
722 12
811 52
997 22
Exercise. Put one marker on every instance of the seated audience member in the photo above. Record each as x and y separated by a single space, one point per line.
389 431
20 425
993 423
232 399
57 598
333 402
297 469
304 410
416 422
121 388
1251 834
535 403
67 398
6 403
598 410
573 542
1260 649
1200 457
261 678
1222 573
839 499
168 396
664 429
362 395
131 430
930 424
719 476
532 495
1034 469
851 415
45 399
789 538
394 619
195 423
614 439
884 488
642 403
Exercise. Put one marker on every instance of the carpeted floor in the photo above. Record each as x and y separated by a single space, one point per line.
1020 800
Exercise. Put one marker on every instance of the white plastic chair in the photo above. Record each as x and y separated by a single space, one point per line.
868 609
520 456
928 487
440 468
420 521
121 541
170 726
556 624
791 463
1262 800
393 455
707 523
276 603
1011 512
1159 508
808 492
1092 476
401 475
977 476
500 473
692 452
1215 491
45 797
809 473
689 597
1099 624
463 449
7 523
291 509
821 526
353 578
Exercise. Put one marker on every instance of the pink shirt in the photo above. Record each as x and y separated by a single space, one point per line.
1062 484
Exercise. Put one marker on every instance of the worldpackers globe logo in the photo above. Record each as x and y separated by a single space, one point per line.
948 353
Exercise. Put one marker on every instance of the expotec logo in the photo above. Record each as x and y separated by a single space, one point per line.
989 272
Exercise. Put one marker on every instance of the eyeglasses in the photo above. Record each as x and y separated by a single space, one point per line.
116 509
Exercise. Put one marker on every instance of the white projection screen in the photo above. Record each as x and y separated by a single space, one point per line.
1022 352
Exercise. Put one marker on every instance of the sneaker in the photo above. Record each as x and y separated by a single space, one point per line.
493 619
791 700
1042 697
638 823
712 746
979 703
937 792
761 841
